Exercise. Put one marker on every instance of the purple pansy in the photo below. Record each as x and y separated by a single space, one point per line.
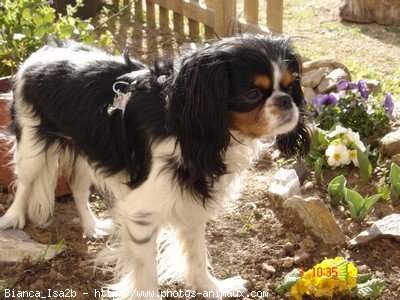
389 104
323 100
363 88
353 85
50 2
343 85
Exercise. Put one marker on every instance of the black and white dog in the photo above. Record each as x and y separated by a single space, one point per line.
168 143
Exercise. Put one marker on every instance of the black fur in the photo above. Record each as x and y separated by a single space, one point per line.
193 105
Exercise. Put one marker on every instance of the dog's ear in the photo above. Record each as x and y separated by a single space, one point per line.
296 142
198 117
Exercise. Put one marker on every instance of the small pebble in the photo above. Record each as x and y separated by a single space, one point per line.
268 268
288 262
280 253
288 247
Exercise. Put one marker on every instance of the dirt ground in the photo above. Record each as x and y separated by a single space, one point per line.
259 233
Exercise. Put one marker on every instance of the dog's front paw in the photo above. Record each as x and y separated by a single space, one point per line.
12 220
213 288
97 229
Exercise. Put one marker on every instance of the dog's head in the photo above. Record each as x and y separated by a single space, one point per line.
246 84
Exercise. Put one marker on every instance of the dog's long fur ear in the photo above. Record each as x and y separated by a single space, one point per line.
296 142
198 117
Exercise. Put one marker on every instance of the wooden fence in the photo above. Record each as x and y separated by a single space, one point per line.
219 17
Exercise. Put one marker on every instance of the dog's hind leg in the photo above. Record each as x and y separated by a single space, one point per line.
37 171
80 184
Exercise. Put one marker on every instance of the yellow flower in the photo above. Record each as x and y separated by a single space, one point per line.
303 286
294 292
325 287
351 275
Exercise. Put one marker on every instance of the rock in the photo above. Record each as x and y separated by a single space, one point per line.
389 226
329 82
315 215
268 268
390 143
15 245
312 78
301 169
308 185
374 86
309 94
288 262
284 184
396 159
301 256
328 64
288 247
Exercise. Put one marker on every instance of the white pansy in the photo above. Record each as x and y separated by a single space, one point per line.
354 137
338 155
338 130
354 157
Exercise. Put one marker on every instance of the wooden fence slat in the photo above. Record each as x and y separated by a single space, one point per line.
164 20
193 26
275 15
192 9
225 16
209 31
178 27
139 10
251 11
150 14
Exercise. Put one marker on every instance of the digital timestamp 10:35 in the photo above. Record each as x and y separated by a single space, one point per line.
319 272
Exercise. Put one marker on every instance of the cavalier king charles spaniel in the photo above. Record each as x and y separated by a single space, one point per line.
167 143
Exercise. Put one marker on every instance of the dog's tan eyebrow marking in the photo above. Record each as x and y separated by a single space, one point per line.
262 81
287 78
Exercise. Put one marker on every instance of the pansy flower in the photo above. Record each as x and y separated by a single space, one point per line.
389 104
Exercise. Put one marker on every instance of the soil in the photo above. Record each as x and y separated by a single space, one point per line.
259 239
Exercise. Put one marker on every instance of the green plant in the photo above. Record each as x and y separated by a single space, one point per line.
394 178
247 220
338 148
26 24
358 205
336 190
351 107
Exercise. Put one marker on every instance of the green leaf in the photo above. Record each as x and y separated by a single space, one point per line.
361 278
314 154
26 13
365 166
49 17
318 170
370 201
288 281
342 270
394 175
37 18
370 289
336 189
384 192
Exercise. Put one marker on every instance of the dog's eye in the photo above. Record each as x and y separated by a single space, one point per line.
253 95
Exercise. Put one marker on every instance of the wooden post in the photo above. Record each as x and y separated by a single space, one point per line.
209 31
164 20
150 14
251 11
225 11
193 27
275 15
139 10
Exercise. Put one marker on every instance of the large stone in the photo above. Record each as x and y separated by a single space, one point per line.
312 78
374 86
389 227
15 245
390 143
284 184
309 94
318 218
329 82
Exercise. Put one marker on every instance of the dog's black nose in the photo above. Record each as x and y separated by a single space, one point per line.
284 101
